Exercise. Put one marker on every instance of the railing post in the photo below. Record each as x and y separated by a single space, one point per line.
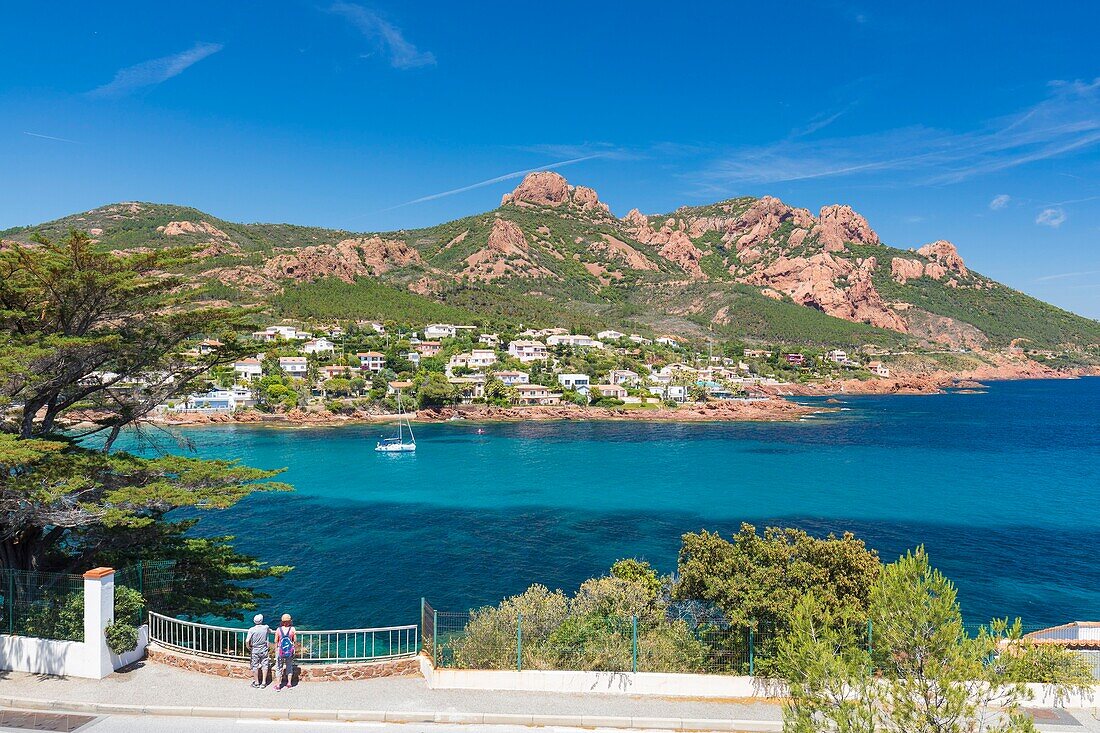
634 643
11 601
519 643
752 655
437 653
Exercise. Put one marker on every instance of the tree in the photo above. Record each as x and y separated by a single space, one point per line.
110 335
756 580
436 391
338 386
925 673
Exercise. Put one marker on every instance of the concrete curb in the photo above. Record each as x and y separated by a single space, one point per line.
398 716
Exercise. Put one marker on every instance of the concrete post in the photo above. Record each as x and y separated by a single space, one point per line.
99 612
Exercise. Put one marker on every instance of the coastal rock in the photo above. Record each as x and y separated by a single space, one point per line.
838 224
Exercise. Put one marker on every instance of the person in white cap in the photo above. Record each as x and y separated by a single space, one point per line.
256 641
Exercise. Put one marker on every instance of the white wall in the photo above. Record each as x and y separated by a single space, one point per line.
41 656
89 658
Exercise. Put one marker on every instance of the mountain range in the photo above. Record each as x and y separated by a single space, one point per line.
553 254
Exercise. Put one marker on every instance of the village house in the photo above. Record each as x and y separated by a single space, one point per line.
440 331
610 335
668 340
273 333
578 341
294 366
489 339
208 346
837 356
527 351
532 334
332 371
671 392
512 378
474 359
756 354
469 388
614 391
248 369
624 377
578 382
318 346
428 348
795 359
414 358
217 400
536 394
371 361
878 369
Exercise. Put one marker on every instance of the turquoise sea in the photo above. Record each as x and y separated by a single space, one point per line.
1003 489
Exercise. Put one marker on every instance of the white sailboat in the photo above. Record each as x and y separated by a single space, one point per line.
399 444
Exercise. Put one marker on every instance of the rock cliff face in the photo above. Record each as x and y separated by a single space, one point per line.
346 260
506 253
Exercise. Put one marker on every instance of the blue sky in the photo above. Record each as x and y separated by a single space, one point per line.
973 122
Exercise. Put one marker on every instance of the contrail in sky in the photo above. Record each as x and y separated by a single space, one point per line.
51 137
488 182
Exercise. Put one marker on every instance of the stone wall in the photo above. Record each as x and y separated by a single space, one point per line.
303 672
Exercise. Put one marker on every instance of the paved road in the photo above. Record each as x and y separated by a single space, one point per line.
155 684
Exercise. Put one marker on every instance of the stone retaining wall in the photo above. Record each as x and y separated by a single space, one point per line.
303 672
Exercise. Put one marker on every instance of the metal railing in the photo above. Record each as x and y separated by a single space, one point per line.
312 647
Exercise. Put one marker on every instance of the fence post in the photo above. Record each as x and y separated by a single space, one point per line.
99 612
752 659
10 599
519 642
634 643
437 652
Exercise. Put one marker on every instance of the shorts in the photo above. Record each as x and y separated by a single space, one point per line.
258 659
283 665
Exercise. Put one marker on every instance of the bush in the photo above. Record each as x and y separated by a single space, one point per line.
121 637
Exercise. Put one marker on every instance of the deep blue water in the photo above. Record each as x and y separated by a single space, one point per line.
1002 488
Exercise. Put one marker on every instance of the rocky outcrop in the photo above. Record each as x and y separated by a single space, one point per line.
546 188
813 281
506 253
672 240
945 254
903 270
761 220
837 225
176 228
347 260
619 250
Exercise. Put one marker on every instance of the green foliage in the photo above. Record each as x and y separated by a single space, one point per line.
925 674
121 637
65 619
365 298
436 391
83 329
593 630
759 579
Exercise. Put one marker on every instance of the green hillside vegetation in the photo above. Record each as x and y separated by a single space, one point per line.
1000 312
560 242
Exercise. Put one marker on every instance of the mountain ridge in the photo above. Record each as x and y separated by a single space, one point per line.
751 268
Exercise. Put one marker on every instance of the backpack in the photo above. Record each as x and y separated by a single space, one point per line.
286 643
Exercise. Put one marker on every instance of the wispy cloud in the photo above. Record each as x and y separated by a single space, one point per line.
1067 120
999 202
51 137
155 71
491 181
1065 275
1051 217
389 39
819 122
